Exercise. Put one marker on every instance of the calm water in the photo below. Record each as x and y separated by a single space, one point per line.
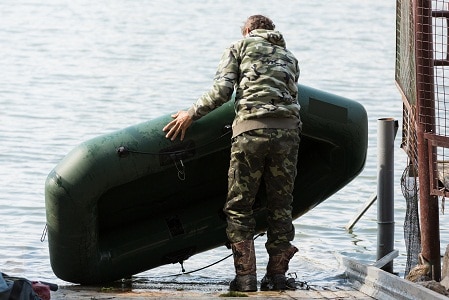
72 70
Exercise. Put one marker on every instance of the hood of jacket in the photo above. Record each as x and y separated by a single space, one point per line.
273 36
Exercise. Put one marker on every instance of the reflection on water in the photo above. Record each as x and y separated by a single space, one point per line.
75 70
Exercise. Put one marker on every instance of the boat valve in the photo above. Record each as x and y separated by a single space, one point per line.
227 128
122 151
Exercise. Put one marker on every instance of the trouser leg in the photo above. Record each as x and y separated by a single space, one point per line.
245 173
280 173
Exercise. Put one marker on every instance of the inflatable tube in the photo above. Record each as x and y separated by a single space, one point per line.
125 202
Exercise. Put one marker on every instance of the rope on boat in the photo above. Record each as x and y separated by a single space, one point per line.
175 156
124 151
44 233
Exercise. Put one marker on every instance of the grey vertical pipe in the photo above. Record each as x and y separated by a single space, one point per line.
387 128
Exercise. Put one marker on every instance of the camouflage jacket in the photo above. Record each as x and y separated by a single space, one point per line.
264 75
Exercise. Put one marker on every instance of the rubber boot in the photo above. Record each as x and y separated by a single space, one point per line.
274 279
245 267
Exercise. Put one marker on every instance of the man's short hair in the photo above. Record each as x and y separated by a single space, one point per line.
257 22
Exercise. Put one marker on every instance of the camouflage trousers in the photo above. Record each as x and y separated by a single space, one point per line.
270 154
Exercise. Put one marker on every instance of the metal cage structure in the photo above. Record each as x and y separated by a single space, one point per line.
422 77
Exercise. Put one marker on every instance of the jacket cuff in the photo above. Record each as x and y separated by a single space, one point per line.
191 113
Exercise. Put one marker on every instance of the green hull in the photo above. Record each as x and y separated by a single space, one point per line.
112 213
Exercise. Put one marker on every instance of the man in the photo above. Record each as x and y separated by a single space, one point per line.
265 144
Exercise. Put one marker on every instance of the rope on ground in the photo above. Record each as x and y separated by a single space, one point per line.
210 265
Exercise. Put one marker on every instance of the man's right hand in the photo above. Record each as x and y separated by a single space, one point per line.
181 121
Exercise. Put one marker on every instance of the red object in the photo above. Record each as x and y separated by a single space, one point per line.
42 290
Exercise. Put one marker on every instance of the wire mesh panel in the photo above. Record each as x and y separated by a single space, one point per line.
424 74
405 75
439 140
440 157
405 51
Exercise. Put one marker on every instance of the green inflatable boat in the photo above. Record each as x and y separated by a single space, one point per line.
132 200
